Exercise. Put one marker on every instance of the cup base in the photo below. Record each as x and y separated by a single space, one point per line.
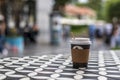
78 65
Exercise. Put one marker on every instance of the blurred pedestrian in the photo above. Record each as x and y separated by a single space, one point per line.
107 32
31 30
91 32
66 32
2 36
57 33
35 32
99 31
115 36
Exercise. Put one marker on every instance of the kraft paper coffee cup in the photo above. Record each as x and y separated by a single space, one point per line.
80 52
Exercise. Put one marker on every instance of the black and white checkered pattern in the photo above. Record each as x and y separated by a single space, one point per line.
102 65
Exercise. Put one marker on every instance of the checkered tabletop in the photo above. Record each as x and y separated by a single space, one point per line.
103 65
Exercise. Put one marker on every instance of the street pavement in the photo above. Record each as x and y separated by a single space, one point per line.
42 49
98 44
47 49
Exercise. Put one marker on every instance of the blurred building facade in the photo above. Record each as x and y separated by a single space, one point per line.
80 12
25 13
18 10
44 9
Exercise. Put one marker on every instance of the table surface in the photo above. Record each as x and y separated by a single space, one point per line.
102 65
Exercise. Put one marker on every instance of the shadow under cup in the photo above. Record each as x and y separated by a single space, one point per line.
80 52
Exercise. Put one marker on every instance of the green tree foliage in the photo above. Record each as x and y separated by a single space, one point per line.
82 4
95 5
59 4
112 9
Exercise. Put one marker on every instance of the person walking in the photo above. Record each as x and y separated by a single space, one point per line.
108 32
91 32
3 50
115 36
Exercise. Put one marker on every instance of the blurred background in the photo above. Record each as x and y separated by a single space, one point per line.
36 27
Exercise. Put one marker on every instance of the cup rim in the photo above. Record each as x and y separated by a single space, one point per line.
82 41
